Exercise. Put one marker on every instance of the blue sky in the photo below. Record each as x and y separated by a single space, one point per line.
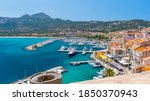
103 10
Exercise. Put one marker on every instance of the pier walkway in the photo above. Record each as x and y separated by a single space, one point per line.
79 62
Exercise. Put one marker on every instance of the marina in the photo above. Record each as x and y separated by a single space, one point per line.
86 48
31 62
79 54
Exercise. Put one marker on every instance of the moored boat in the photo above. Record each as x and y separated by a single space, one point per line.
63 48
84 50
80 44
58 69
94 64
98 77
72 52
75 63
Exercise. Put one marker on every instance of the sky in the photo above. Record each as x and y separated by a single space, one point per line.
79 10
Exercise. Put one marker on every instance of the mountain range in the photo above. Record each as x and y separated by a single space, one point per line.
43 23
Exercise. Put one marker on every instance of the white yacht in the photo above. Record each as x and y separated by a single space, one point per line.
63 48
97 46
58 69
94 64
84 50
75 63
91 49
100 72
80 44
72 52
98 77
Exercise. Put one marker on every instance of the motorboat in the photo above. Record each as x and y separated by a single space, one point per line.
72 43
75 63
94 64
100 72
91 49
58 69
72 52
80 44
97 64
84 50
98 77
69 48
63 48
97 46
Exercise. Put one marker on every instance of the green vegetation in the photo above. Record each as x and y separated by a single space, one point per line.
100 37
109 72
42 23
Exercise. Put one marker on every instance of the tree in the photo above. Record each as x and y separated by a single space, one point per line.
109 72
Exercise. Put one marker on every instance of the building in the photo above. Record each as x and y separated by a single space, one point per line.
134 45
46 78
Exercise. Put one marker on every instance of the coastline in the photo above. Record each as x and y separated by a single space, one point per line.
43 61
103 63
25 37
139 78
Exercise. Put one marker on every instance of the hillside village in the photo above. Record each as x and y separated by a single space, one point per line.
131 47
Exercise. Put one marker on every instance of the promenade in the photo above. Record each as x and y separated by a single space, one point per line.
104 64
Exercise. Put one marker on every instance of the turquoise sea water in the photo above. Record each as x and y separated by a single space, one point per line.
17 63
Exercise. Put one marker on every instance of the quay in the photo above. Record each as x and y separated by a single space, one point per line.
78 51
41 44
105 65
79 62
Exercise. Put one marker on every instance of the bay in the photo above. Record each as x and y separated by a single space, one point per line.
17 63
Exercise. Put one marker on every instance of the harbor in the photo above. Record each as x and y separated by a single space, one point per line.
31 62
84 48
75 49
72 49
82 58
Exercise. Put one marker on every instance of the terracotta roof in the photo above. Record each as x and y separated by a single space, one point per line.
115 43
146 67
130 41
137 40
128 45
140 49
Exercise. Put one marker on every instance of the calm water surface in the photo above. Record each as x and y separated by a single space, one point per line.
17 63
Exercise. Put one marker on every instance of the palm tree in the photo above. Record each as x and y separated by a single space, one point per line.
108 72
